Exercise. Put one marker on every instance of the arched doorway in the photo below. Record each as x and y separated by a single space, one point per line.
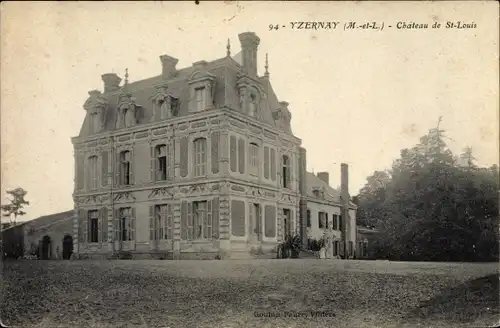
67 247
46 248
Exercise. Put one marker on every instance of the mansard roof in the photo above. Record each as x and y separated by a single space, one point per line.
331 195
225 72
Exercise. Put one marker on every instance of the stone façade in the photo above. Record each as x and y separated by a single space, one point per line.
239 109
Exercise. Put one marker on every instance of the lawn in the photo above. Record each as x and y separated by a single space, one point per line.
258 293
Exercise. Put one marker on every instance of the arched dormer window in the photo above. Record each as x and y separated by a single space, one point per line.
200 157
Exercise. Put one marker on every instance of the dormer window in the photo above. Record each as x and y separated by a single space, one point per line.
200 98
202 86
252 106
95 122
286 172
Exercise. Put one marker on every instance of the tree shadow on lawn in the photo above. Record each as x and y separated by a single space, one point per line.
473 302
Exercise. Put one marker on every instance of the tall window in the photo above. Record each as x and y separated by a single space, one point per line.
163 224
93 218
335 222
200 157
252 106
308 218
321 220
199 96
125 224
253 159
161 162
125 168
286 172
202 225
92 172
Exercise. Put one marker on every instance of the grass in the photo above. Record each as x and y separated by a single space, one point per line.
258 293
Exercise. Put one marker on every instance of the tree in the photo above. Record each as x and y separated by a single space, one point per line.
17 203
429 208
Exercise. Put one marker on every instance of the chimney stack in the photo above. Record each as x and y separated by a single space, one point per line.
344 197
249 44
344 181
168 68
111 82
303 192
324 176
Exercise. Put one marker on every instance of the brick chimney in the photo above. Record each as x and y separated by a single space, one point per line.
168 68
344 197
324 176
344 181
111 82
249 44
303 192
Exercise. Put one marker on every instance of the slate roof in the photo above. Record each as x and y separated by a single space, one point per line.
226 71
45 220
331 195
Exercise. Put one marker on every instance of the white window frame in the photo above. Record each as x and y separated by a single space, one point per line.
253 159
200 98
159 154
93 172
92 215
126 217
200 157
123 161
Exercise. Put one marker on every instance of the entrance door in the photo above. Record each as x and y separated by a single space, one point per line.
254 224
46 248
287 222
67 247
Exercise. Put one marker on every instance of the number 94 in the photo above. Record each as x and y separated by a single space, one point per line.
273 27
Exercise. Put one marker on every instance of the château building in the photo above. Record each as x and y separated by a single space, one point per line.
198 162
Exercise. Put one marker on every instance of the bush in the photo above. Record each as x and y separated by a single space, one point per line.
290 248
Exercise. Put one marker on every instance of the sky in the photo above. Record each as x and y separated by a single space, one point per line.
357 96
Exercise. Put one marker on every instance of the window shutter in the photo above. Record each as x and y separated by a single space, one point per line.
117 169
210 222
104 223
169 223
250 218
79 171
104 162
116 229
273 164
153 164
184 218
132 166
81 230
326 220
259 221
85 227
190 227
184 156
215 152
241 155
215 218
266 162
170 160
232 153
151 222
132 224
205 221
